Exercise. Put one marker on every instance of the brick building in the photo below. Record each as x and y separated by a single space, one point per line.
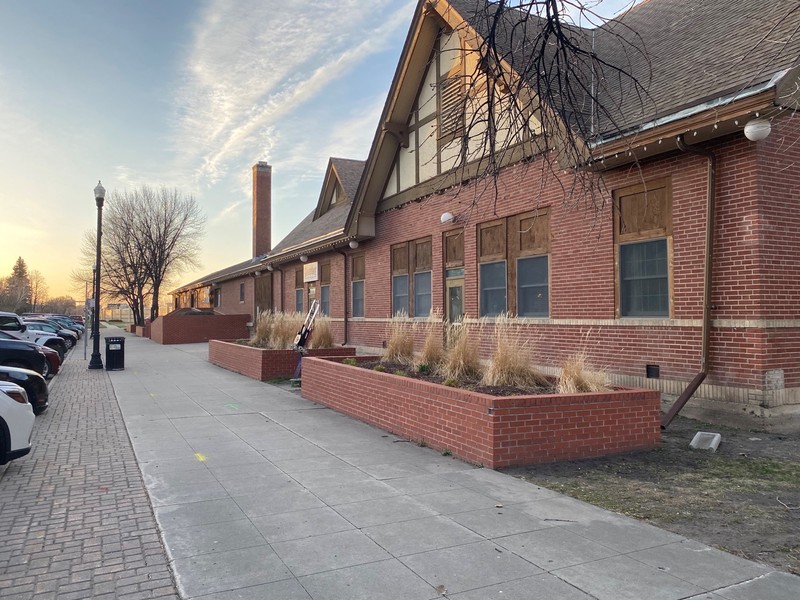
675 267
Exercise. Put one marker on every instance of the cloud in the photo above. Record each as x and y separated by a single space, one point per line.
226 212
254 64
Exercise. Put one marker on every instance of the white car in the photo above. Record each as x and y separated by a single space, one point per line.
16 422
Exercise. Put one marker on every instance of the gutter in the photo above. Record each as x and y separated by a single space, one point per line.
344 295
693 110
707 280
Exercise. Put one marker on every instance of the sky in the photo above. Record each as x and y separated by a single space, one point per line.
187 94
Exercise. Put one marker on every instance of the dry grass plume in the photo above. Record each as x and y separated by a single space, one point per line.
400 340
509 364
576 377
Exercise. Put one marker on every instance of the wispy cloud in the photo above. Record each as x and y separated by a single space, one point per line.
253 64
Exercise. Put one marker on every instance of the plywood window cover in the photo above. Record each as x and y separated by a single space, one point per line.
454 248
359 270
644 201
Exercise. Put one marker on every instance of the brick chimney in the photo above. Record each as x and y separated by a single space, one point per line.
262 208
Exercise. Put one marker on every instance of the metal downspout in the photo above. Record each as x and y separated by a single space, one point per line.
344 254
707 279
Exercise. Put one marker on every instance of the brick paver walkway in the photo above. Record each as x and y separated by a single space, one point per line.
75 519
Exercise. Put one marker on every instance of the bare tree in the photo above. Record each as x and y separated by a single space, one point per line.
38 289
148 235
171 235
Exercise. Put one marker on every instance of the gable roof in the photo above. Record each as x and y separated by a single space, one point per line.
324 226
700 57
243 268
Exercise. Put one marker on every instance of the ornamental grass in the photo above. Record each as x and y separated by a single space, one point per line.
400 340
576 377
510 362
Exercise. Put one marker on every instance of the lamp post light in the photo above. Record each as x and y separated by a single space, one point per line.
96 362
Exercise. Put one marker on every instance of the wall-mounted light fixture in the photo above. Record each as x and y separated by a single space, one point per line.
353 244
303 258
757 129
447 217
270 268
257 273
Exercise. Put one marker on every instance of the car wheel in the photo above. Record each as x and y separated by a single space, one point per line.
46 369
69 343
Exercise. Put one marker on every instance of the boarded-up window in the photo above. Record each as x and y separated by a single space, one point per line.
642 230
412 295
643 211
492 240
501 245
298 278
529 233
454 248
422 258
400 258
324 273
358 267
451 106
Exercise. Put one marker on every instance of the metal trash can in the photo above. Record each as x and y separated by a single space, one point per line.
115 353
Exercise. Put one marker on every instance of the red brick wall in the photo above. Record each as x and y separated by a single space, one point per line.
230 304
262 364
756 261
189 329
495 432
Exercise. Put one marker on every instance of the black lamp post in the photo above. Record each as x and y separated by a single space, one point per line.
96 362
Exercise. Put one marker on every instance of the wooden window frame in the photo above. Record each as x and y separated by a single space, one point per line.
622 238
409 255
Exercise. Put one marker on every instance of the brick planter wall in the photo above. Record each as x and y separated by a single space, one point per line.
262 364
493 431
190 329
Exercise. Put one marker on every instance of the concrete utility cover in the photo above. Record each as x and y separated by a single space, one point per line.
704 440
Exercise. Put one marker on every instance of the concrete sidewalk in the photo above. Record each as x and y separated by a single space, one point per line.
262 494
258 493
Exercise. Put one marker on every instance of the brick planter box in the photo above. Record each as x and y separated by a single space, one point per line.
494 431
262 364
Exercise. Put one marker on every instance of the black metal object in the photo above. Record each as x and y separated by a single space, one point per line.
96 362
115 353
301 339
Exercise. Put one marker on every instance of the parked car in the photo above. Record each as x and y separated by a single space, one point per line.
14 354
70 337
12 324
54 352
16 423
53 358
33 384
78 319
67 323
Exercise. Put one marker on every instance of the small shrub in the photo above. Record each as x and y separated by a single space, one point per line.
400 340
461 361
401 373
450 382
423 368
263 329
446 452
284 329
350 361
379 368
322 334
576 377
509 365
433 352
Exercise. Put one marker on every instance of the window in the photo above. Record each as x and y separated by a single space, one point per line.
532 287
358 276
217 293
9 324
241 293
400 294
325 288
493 288
299 287
644 279
514 265
422 294
643 230
411 295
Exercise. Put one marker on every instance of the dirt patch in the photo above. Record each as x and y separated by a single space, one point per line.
744 499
